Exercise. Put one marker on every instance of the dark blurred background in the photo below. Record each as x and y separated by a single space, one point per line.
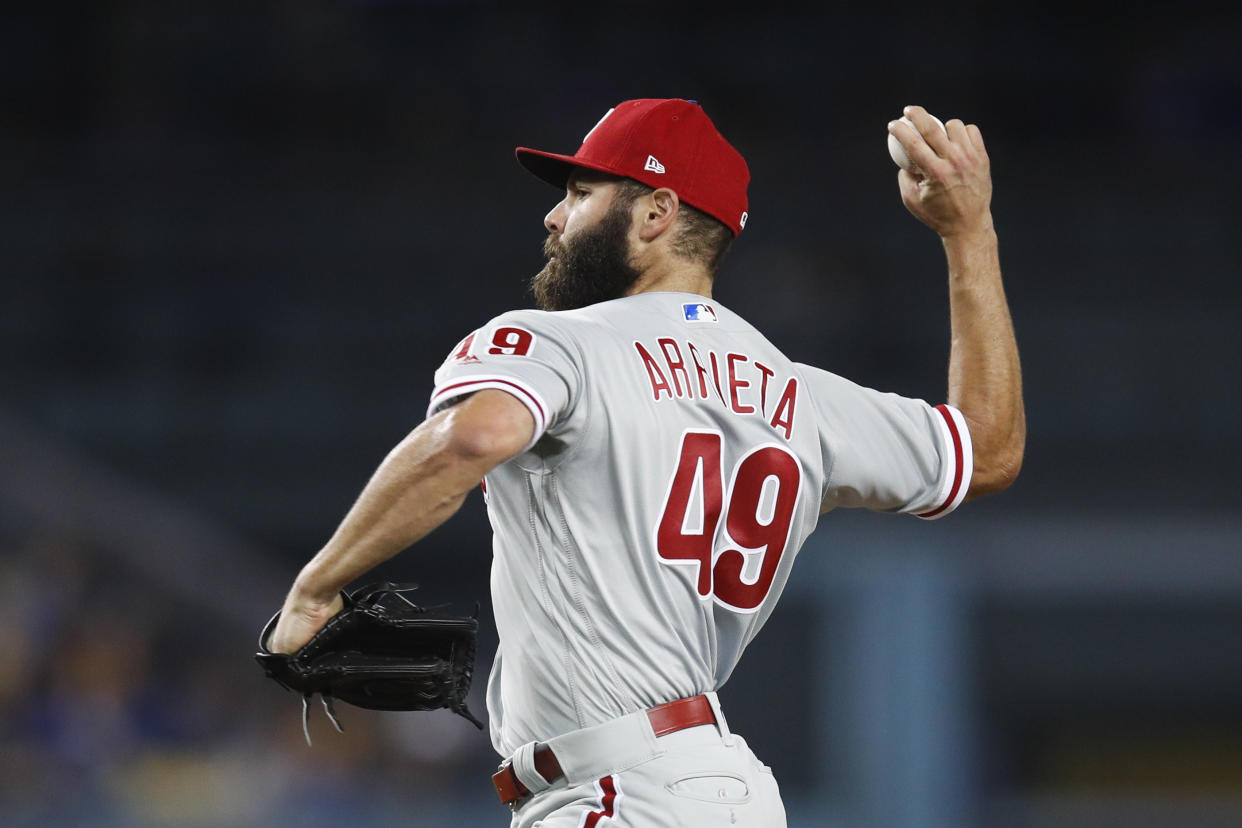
237 239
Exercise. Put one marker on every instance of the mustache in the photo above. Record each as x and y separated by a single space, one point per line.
552 246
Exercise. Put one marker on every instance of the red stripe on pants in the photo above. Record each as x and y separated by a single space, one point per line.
606 802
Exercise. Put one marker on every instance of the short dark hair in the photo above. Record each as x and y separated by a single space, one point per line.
699 237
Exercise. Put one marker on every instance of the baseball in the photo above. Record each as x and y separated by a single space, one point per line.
898 152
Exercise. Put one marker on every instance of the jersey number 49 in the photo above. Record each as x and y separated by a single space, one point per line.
757 510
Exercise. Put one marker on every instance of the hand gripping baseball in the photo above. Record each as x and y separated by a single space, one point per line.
951 188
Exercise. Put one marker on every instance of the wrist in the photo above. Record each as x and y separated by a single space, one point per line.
311 589
979 232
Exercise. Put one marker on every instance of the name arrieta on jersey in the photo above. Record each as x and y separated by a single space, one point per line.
682 370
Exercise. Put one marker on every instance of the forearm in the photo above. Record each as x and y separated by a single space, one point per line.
985 377
419 485
949 188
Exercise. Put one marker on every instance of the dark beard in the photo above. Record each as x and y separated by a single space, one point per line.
594 267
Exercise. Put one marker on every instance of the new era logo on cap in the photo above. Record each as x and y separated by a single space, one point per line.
695 160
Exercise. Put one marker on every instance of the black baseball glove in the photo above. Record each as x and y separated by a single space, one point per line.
382 652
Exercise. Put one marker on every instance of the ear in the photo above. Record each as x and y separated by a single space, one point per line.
659 211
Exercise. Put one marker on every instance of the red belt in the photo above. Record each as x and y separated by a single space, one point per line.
665 719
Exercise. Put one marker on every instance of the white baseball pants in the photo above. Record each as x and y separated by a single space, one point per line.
621 774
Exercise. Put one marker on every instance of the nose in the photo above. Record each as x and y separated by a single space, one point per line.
554 221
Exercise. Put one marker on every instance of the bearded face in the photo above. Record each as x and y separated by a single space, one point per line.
594 266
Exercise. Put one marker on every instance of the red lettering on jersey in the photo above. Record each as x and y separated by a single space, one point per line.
784 416
699 461
699 370
658 382
511 341
675 365
763 386
747 528
735 384
672 375
716 375
757 511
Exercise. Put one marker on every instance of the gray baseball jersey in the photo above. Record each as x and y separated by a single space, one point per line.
678 464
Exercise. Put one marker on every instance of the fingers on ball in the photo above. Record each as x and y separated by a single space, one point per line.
927 124
957 130
976 137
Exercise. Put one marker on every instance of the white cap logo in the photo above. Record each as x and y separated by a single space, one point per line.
654 165
742 222
597 123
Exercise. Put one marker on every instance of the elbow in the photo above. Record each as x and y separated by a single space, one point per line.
996 470
994 477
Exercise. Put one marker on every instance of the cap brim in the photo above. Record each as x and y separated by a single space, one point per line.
552 168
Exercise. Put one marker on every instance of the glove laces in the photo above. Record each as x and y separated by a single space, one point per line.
326 698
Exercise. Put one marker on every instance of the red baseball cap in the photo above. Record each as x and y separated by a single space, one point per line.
662 142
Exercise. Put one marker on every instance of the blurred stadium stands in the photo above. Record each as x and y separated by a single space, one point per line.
237 239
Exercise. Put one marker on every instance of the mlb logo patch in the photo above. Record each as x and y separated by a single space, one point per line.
698 312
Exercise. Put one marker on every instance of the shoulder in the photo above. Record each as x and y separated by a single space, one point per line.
833 392
621 318
571 326
815 374
555 324
524 332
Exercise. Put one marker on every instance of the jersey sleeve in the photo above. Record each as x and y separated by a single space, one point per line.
886 452
522 353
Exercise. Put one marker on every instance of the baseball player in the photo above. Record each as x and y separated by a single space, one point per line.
652 465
